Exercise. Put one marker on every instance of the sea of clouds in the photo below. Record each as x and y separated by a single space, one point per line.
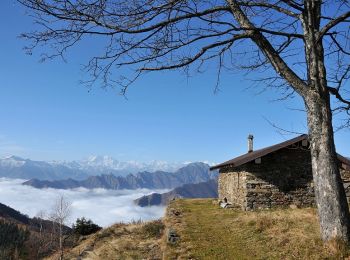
102 206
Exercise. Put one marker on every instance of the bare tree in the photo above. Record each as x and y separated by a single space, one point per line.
61 211
300 47
41 240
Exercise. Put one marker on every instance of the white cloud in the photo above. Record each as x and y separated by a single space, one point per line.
104 207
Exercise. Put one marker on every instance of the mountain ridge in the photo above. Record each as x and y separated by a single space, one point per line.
191 173
17 167
208 189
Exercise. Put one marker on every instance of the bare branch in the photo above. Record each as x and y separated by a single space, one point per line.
332 24
199 54
335 92
270 6
277 62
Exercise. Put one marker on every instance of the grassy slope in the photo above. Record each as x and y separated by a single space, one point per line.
209 232
120 241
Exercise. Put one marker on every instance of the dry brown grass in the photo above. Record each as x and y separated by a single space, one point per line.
120 241
209 232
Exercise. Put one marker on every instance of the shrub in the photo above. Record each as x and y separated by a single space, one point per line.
154 228
85 227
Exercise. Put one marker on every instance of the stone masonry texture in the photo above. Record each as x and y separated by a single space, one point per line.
282 178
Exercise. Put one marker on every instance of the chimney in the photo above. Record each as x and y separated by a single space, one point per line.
250 143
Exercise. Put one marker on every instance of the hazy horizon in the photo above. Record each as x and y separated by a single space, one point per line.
86 158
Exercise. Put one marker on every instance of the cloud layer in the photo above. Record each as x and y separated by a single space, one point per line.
104 207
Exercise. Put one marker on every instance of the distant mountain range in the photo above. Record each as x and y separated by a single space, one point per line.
16 167
207 189
103 163
191 173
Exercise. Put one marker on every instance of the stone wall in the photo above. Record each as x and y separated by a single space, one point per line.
345 174
281 178
232 186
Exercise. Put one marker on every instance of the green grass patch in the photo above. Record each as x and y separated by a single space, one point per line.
209 232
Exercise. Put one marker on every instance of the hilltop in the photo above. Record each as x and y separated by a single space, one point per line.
9 214
120 241
200 229
22 237
206 231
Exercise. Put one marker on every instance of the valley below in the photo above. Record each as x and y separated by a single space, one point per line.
106 198
129 207
103 206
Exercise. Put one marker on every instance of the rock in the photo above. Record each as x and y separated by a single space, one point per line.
292 206
176 213
224 205
172 236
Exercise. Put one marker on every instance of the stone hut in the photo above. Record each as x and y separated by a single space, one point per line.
276 176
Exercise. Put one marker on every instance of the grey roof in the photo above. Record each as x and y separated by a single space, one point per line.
250 156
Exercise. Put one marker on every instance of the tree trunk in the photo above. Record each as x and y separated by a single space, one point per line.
61 244
330 195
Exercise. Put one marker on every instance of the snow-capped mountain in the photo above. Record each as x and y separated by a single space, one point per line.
103 163
12 162
16 167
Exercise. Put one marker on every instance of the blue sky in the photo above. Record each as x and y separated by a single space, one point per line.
46 114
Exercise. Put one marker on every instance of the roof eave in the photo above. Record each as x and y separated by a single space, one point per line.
217 167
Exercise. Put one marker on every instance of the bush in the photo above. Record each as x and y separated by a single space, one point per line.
154 228
85 227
